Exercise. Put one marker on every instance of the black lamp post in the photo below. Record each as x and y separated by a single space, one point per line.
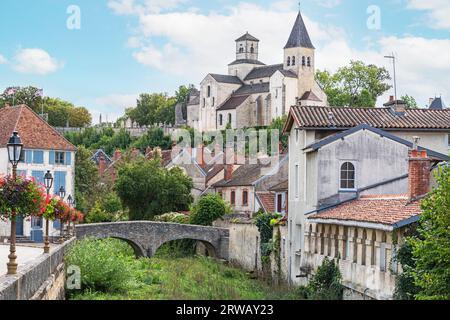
71 204
48 180
15 147
62 195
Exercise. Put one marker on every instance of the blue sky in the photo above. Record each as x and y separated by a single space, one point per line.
125 47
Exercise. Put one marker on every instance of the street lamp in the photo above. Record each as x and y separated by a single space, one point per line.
48 180
71 204
14 147
62 195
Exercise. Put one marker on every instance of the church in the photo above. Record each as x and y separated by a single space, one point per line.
254 94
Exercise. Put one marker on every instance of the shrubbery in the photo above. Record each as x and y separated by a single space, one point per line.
208 209
105 265
173 217
326 284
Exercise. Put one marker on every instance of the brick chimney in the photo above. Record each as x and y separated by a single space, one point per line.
200 155
102 165
419 174
229 168
117 155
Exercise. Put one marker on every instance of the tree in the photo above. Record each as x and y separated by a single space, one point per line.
208 209
79 117
86 179
431 248
153 138
147 189
410 101
152 109
26 95
356 85
182 94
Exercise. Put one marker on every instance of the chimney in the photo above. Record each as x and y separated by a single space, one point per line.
117 155
102 165
200 155
229 172
419 174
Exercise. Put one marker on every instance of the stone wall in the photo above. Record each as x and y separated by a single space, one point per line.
41 279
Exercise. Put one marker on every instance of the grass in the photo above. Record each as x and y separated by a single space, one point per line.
187 278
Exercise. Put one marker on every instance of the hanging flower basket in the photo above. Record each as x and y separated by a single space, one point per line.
20 197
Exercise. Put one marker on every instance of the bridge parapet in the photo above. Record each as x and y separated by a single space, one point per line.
147 236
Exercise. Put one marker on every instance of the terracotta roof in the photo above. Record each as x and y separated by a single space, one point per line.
212 170
33 130
382 118
389 210
267 200
245 175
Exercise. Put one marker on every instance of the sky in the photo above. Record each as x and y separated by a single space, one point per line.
102 54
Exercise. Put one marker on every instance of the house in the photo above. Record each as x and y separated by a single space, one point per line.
44 149
364 233
339 154
250 188
101 154
254 94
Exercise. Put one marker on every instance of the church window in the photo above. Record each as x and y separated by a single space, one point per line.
288 61
303 61
204 102
241 49
209 91
293 61
229 118
347 176
309 61
220 119
214 102
252 49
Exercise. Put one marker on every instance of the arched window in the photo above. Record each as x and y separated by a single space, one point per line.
241 50
348 176
220 119
233 197
293 61
229 118
252 49
209 91
289 61
245 198
303 61
309 61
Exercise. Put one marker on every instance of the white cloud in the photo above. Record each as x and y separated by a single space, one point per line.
3 59
438 12
127 7
112 106
196 43
35 61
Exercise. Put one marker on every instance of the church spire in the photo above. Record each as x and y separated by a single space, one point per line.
299 37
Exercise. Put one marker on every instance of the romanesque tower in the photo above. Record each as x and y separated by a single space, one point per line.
299 56
247 48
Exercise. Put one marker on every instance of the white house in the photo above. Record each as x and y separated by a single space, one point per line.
44 149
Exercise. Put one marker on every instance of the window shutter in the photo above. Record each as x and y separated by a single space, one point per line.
38 157
28 156
69 158
52 157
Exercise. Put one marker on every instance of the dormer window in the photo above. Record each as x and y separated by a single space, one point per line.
348 176
303 61
288 61
293 61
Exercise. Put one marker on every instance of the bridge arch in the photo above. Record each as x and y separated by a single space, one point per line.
207 246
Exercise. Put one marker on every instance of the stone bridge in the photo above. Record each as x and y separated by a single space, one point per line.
146 236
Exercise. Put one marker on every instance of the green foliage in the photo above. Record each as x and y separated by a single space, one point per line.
405 286
98 215
173 217
208 209
152 109
278 124
410 101
326 284
104 264
147 189
86 179
431 249
263 222
356 85
153 138
60 112
182 94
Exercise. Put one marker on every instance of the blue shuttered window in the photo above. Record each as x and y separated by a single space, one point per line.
69 158
28 156
38 157
59 181
52 157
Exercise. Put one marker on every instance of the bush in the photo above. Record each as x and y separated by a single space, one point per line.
208 209
173 217
98 215
326 284
104 264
